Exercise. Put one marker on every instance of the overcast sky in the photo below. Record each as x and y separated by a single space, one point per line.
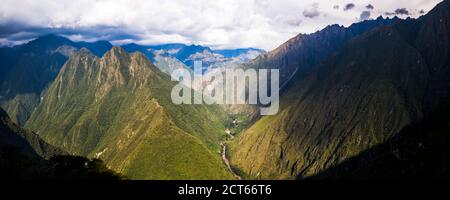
216 23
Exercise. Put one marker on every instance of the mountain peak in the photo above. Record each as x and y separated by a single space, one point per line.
116 50
116 55
49 41
84 51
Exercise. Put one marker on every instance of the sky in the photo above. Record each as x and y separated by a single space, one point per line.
219 24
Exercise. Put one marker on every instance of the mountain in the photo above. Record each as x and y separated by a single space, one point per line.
118 108
360 96
230 53
24 156
27 142
172 56
298 56
26 71
419 151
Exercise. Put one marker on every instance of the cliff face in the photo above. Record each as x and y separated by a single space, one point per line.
360 96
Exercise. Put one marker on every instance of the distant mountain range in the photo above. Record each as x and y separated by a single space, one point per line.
185 55
27 70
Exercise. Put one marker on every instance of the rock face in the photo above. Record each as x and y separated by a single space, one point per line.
118 108
26 71
360 96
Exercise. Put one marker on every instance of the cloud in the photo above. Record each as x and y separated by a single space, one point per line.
312 11
219 23
10 43
365 15
402 11
349 6
370 7
399 11
23 32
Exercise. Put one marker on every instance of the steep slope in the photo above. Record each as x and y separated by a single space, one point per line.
361 96
419 151
29 68
118 108
24 156
27 142
297 57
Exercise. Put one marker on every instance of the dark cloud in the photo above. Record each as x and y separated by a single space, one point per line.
402 11
21 32
349 6
365 15
312 11
399 11
370 7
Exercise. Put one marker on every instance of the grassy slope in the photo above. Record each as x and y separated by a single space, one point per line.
354 101
419 151
120 105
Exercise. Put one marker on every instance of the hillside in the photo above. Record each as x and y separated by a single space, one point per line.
26 71
118 108
299 55
25 156
419 151
27 142
361 96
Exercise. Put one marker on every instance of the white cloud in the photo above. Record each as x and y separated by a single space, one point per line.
219 23
312 11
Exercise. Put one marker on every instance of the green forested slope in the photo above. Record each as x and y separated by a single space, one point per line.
118 108
361 96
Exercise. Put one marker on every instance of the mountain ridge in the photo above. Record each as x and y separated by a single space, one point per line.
29 68
350 102
118 108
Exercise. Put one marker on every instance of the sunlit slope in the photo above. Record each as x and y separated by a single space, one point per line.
361 96
118 108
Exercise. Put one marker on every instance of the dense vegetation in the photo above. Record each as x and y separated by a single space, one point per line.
118 108
360 96
24 156
26 70
419 151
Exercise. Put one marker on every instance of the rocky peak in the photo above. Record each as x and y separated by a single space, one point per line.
116 55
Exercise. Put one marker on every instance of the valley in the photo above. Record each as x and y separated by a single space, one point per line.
365 101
